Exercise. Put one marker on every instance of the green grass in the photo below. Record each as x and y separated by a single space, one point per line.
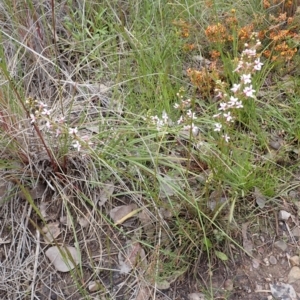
137 52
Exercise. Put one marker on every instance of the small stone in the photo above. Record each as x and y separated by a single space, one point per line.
283 215
196 296
294 275
255 263
94 286
273 260
275 145
281 245
266 261
296 231
228 285
294 260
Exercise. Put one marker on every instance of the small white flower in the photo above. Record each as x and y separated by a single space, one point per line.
73 130
246 78
46 112
239 104
249 91
218 127
216 115
57 132
180 120
76 145
195 130
249 52
235 87
33 119
61 120
258 64
219 95
191 114
223 106
176 105
42 105
228 117
240 65
233 101
226 138
48 125
165 117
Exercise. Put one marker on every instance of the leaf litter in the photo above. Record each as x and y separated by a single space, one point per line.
64 259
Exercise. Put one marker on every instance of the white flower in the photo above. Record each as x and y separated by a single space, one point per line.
246 78
249 91
219 95
76 145
239 104
235 87
233 101
165 117
216 115
180 120
46 112
73 130
223 106
57 132
48 125
195 129
249 52
240 65
226 138
228 117
191 114
176 105
258 64
218 127
33 119
42 105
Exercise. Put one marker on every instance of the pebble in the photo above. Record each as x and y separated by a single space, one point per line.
283 215
296 231
275 145
294 260
266 261
294 275
228 285
196 296
273 260
94 286
281 245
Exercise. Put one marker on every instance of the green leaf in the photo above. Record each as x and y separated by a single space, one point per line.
207 244
221 255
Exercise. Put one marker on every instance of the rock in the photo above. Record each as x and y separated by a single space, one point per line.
272 260
283 215
228 285
94 286
294 275
255 263
296 232
196 296
294 260
280 245
275 145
